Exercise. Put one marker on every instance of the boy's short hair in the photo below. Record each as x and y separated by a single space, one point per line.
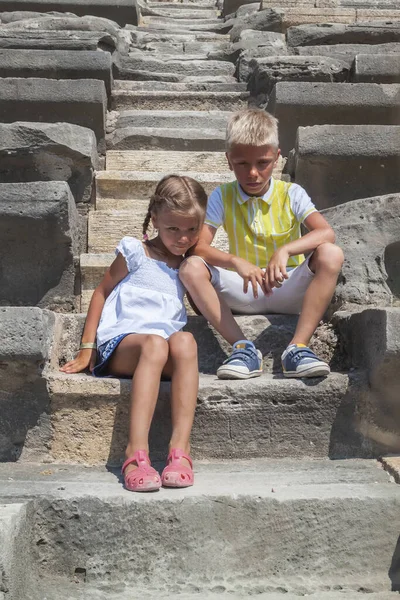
252 127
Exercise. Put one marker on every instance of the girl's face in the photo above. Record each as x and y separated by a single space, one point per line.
177 232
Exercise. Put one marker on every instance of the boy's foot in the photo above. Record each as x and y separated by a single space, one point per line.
244 362
299 361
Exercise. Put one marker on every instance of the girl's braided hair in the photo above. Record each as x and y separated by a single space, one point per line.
178 194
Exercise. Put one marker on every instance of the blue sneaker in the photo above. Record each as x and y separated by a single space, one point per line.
299 361
244 362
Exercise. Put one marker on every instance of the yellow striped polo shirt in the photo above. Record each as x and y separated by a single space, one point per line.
257 226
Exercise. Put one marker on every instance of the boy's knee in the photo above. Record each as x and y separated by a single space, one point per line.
329 256
193 269
182 345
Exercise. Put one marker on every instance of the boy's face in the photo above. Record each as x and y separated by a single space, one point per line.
253 166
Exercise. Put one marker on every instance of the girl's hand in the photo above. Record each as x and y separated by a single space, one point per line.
250 274
276 273
84 359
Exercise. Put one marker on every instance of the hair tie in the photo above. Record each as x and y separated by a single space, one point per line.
145 237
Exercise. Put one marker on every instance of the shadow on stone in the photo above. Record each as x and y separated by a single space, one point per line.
394 570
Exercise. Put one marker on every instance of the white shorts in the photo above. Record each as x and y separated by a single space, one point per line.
287 299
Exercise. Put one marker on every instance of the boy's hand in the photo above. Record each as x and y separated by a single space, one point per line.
250 274
275 273
84 359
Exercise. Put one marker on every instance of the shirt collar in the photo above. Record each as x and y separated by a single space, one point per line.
267 197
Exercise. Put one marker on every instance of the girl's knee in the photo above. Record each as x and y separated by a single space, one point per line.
155 347
182 345
329 256
193 269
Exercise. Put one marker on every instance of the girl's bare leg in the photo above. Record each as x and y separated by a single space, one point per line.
145 357
183 369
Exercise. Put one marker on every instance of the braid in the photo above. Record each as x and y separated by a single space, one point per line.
146 223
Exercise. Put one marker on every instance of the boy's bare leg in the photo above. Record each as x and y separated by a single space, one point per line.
196 278
145 357
182 367
326 262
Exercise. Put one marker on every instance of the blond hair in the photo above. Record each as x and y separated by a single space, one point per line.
252 127
178 194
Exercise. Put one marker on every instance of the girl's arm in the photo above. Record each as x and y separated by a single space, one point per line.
87 357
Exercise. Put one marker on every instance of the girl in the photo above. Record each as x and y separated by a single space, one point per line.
137 311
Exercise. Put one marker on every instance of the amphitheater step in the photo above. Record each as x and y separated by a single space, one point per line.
366 156
230 85
340 517
165 119
140 61
298 104
377 68
146 160
176 100
147 138
125 185
266 416
57 40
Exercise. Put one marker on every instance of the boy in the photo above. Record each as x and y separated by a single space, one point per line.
265 270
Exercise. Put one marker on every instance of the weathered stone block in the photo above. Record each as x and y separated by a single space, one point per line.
67 22
124 11
373 338
265 20
301 104
39 239
15 551
58 64
336 33
366 156
376 68
26 335
266 71
231 6
82 102
347 52
49 152
58 40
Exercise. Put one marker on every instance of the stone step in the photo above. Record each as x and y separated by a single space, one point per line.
366 156
307 104
176 100
125 185
145 160
58 40
266 416
171 119
57 64
335 33
146 138
138 34
124 12
184 22
179 13
82 102
206 7
191 86
377 68
170 64
313 509
174 26
348 51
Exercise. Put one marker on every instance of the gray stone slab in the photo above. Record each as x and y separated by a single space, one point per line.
231 6
172 100
26 334
39 239
265 20
305 104
58 64
333 524
376 68
264 72
125 11
15 551
192 67
149 138
366 156
373 336
347 51
58 40
63 152
190 119
159 86
336 33
69 23
82 102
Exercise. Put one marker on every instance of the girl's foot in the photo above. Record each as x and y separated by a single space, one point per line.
143 478
179 471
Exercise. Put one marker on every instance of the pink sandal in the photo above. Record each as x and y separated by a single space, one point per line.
143 479
175 474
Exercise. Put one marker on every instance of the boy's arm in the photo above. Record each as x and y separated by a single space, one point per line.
319 232
250 273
